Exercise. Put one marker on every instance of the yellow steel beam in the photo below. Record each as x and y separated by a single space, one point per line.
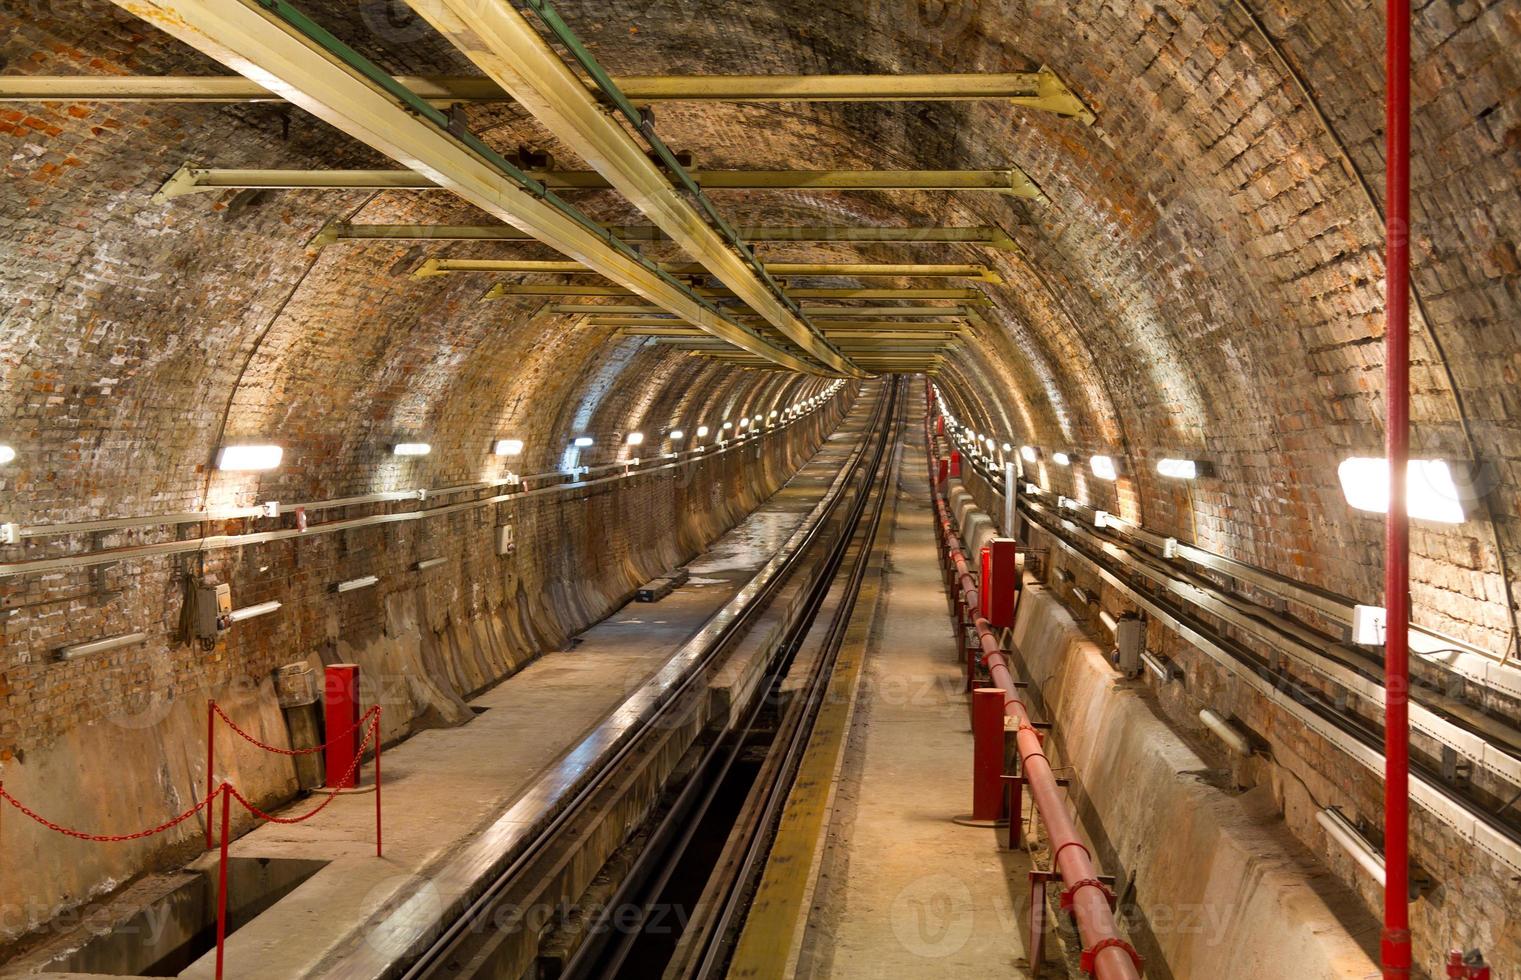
195 180
253 40
439 267
907 313
340 231
809 292
501 42
840 337
1042 90
830 326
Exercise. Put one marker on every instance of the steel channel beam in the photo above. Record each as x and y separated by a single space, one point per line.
910 314
501 42
444 266
1042 90
195 180
256 42
340 231
809 292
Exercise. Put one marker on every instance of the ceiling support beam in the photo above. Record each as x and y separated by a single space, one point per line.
501 42
440 267
906 313
831 327
312 70
1013 182
338 231
1042 90
502 289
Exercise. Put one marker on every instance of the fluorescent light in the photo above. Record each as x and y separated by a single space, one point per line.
635 439
1341 830
728 425
77 650
411 449
1178 469
427 563
1228 733
1061 459
247 458
363 582
702 430
1029 453
6 454
249 612
1431 494
581 442
1007 448
509 447
677 435
1103 467
742 423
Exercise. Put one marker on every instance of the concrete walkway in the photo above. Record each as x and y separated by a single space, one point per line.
903 891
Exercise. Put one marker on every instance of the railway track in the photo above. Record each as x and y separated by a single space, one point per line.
1314 677
714 782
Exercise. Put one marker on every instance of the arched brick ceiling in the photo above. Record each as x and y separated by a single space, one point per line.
1206 279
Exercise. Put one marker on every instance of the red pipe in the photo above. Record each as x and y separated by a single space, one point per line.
1395 945
1105 955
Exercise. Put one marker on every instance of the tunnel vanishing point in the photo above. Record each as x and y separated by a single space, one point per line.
697 488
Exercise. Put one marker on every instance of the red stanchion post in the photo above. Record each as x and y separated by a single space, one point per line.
341 712
211 761
222 879
987 753
377 781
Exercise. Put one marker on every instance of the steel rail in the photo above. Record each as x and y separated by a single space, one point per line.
1305 704
596 960
678 677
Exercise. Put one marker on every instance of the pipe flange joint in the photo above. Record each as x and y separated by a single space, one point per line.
1071 892
1090 955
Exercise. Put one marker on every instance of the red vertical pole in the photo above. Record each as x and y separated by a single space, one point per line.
211 761
377 780
222 880
1395 945
987 753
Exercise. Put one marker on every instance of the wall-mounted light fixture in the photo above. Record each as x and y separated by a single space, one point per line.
1103 467
234 459
677 435
7 454
363 582
254 611
702 431
1431 492
411 449
635 439
1180 469
1061 459
581 442
76 650
509 447
1029 453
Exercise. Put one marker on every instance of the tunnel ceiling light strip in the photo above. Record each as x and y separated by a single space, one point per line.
1061 459
702 430
1103 467
991 237
676 435
1431 493
249 458
581 442
199 180
310 68
411 449
635 439
508 447
1179 469
1029 453
1042 90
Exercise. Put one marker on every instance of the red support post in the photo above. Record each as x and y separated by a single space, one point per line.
211 761
955 464
222 879
987 753
1395 944
340 711
378 735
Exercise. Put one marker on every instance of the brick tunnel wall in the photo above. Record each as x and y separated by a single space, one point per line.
1206 280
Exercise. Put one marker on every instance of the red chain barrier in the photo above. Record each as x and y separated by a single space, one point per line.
332 737
353 767
106 838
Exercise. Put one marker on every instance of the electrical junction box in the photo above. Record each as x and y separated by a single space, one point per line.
213 611
1369 625
1129 644
10 533
506 541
